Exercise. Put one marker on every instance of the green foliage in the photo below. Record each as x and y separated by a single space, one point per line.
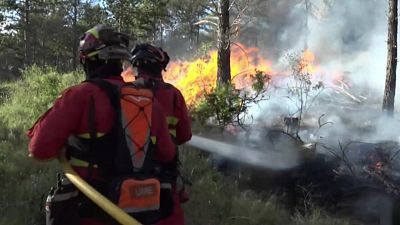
303 91
33 95
204 49
186 17
24 181
226 104
10 56
46 33
259 80
92 15
223 103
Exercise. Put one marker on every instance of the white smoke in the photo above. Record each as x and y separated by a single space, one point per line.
352 38
347 37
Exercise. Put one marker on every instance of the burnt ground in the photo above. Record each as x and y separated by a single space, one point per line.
360 180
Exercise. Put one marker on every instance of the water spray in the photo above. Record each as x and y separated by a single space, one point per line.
263 158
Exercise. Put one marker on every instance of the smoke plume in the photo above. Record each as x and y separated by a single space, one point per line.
347 38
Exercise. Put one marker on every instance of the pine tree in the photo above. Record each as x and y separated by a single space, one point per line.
224 43
390 86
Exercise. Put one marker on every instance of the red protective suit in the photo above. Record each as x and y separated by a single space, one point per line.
69 116
174 107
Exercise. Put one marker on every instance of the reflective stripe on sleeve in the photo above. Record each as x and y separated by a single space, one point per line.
87 135
79 163
172 132
153 139
172 120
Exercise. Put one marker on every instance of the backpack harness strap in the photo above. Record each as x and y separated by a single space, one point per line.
134 94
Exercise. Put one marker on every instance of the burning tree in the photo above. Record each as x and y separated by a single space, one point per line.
224 31
390 86
224 44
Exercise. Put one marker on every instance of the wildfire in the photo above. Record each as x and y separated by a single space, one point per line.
194 78
128 75
307 62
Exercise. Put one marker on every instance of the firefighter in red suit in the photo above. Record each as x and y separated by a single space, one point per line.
149 61
102 50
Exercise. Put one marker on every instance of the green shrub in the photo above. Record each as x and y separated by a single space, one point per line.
23 181
33 95
227 105
222 104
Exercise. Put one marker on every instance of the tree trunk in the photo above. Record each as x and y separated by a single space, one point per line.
390 86
119 17
198 32
75 35
27 33
224 51
161 35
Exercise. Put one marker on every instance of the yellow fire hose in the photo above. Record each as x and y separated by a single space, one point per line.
108 206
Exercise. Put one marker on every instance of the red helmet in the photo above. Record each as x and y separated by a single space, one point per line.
104 43
149 54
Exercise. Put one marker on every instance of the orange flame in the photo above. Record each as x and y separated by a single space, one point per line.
197 77
128 75
307 62
194 78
